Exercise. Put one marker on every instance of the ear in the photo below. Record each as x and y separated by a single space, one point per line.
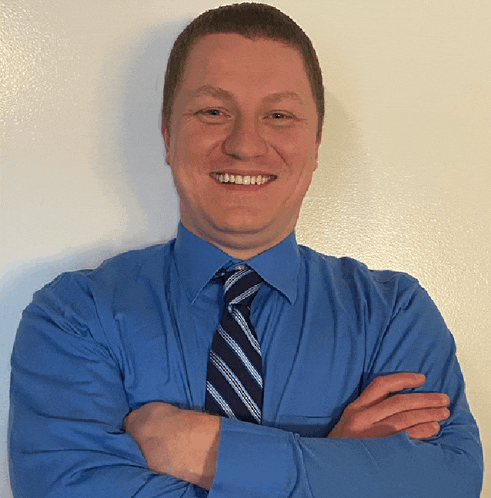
166 136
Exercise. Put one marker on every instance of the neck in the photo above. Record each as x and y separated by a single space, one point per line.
239 246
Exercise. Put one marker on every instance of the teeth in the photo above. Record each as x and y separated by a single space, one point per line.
243 180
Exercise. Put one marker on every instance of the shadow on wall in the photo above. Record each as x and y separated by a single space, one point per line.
131 147
4 479
339 196
130 160
339 152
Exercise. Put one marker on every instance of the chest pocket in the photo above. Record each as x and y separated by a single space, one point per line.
306 426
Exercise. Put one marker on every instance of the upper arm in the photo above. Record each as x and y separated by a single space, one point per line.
68 403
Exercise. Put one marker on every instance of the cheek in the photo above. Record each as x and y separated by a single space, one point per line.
297 149
198 139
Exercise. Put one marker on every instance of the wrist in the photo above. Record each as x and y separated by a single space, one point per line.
182 443
195 447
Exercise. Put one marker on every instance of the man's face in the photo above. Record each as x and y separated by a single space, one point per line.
242 144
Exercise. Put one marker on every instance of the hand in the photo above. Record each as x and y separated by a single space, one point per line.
377 414
182 443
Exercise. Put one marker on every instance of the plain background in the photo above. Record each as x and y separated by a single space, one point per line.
405 166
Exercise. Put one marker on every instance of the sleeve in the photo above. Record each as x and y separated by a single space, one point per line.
67 408
268 462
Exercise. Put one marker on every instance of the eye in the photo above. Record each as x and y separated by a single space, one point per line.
280 118
213 112
212 115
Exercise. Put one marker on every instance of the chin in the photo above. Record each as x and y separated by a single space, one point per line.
240 228
243 222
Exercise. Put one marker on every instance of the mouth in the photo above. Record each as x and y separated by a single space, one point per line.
233 179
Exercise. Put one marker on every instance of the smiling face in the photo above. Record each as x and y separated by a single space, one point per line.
242 142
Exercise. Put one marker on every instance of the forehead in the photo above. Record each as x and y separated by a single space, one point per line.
229 58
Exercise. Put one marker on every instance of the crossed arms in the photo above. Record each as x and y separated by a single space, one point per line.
185 444
70 394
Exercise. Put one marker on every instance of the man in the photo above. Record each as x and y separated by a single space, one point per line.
117 381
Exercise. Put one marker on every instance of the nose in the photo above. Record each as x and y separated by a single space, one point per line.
245 140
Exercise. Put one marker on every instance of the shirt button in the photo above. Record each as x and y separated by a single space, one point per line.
240 267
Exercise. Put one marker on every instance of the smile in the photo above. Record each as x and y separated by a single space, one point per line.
243 179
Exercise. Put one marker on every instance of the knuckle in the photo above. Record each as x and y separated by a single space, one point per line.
424 431
402 402
356 421
435 414
436 428
401 421
379 382
442 414
446 412
351 410
398 398
378 387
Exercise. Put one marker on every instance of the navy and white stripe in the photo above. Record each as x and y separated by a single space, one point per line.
210 388
238 351
234 385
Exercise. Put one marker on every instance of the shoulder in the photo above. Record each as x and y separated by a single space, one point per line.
124 268
85 302
387 305
346 269
116 277
350 280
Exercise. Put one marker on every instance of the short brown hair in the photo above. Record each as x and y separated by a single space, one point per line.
252 20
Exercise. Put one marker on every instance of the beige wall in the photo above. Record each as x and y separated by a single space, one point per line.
405 166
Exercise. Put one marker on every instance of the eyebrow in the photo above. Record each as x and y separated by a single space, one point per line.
214 91
275 97
218 92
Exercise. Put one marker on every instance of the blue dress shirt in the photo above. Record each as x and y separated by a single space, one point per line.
95 344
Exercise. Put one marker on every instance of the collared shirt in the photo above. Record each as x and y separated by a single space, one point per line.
96 344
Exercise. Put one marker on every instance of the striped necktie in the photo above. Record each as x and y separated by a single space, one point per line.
234 384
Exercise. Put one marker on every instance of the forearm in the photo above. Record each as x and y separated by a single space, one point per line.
182 443
261 461
63 458
197 465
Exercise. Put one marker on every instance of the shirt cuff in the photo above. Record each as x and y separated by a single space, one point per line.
253 460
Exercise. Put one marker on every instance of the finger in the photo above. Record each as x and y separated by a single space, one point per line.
363 423
421 423
405 420
382 386
424 431
406 403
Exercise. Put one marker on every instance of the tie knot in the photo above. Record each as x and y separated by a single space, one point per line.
240 286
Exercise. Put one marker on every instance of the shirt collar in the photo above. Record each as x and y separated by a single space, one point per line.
197 261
